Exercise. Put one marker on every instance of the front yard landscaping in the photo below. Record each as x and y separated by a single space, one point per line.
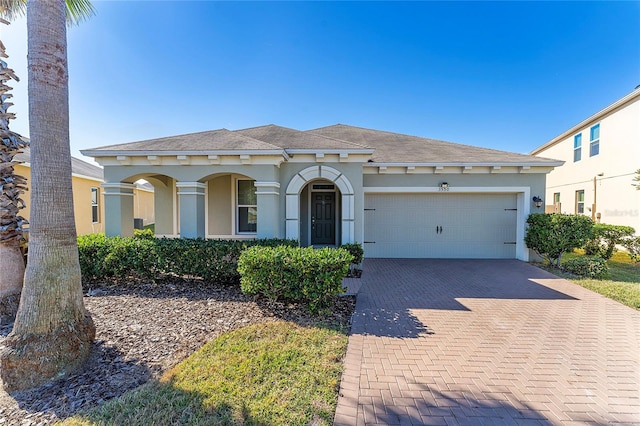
144 330
275 373
622 282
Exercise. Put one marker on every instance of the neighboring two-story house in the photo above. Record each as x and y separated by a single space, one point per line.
601 155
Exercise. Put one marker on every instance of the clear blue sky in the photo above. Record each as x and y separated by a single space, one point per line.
503 75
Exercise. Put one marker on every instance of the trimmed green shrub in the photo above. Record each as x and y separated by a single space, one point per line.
355 250
552 235
129 256
306 274
92 250
209 260
605 238
587 266
117 257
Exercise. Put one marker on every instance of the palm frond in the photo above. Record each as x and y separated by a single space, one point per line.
11 9
77 10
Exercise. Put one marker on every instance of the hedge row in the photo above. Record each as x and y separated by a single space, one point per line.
587 266
306 274
211 260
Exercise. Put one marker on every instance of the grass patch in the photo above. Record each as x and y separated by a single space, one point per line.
275 373
622 283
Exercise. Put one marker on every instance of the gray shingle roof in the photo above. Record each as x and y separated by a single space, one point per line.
388 147
213 140
78 166
398 148
295 139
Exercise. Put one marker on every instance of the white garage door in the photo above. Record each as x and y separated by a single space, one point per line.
440 225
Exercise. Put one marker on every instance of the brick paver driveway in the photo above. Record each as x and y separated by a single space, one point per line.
486 342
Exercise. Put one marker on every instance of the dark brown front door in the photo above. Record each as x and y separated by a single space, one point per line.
323 218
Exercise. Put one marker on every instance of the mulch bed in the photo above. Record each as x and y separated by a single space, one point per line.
143 330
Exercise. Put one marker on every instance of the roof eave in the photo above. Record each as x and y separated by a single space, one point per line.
467 163
115 153
329 151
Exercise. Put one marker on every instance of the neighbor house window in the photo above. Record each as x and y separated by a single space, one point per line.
95 207
580 201
577 147
556 202
594 141
247 213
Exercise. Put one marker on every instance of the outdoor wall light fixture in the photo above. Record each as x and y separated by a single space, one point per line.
537 201
444 186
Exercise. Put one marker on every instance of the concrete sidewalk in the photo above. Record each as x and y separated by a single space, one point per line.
486 342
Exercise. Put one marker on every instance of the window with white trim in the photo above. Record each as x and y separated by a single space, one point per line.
580 201
594 140
95 206
577 147
247 207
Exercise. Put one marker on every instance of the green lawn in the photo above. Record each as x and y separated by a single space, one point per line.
622 283
266 374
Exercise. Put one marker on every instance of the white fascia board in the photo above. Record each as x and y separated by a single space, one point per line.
86 177
329 151
587 122
554 163
78 175
101 153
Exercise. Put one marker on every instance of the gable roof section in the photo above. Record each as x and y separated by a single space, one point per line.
78 167
628 99
192 143
395 148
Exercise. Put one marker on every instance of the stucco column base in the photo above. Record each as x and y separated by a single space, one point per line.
192 218
268 199
118 209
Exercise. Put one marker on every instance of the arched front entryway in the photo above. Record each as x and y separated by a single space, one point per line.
346 204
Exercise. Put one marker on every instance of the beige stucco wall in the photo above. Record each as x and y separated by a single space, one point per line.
220 206
143 205
618 201
274 182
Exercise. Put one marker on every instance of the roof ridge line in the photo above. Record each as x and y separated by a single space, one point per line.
336 139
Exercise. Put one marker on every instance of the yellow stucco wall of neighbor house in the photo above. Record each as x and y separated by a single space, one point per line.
24 171
83 206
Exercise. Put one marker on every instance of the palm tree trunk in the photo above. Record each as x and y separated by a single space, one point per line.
53 331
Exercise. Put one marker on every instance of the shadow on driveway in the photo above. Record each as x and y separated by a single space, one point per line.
392 288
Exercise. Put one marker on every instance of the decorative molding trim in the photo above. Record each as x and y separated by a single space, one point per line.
292 200
123 159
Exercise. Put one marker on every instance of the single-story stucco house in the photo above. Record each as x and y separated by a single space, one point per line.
398 195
